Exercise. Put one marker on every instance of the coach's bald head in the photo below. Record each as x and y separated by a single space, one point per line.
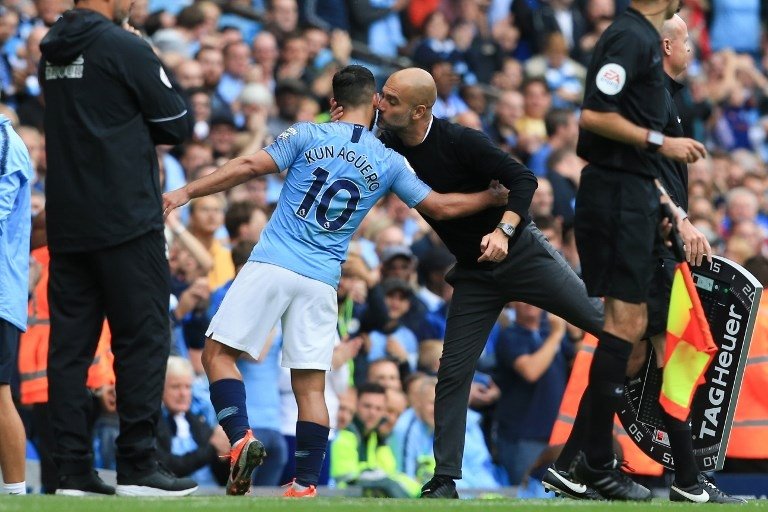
675 47
416 84
406 103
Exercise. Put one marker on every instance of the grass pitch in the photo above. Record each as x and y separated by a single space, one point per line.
250 504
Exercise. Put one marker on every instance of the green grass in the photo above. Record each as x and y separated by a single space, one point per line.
252 504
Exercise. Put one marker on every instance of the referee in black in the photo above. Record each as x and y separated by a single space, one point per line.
108 102
689 484
618 214
501 256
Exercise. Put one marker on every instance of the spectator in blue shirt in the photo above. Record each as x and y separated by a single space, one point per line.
532 373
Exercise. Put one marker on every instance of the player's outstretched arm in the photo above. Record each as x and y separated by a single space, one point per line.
453 205
236 171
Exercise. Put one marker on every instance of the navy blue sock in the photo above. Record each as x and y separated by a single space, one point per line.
311 444
228 399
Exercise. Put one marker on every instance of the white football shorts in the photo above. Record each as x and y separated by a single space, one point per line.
261 295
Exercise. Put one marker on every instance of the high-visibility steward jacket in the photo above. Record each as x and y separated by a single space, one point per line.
353 453
749 434
577 383
33 345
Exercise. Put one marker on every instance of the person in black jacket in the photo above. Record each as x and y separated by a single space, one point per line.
501 256
108 103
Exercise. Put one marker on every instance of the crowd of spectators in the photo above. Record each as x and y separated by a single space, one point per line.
512 68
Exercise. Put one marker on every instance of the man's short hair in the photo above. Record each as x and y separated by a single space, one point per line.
371 388
190 17
353 86
238 213
556 118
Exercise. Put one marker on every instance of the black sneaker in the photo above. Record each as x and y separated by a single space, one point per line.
703 491
610 481
160 482
440 487
562 484
87 484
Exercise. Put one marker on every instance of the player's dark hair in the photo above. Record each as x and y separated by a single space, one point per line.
372 388
353 86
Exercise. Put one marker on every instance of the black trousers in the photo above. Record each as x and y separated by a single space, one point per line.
534 273
130 285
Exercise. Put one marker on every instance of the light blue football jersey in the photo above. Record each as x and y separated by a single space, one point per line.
336 174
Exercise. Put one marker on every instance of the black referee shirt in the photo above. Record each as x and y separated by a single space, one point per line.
454 158
626 77
674 174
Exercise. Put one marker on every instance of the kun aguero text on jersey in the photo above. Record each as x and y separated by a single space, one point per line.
359 161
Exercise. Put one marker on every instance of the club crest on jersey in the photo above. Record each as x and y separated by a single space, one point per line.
611 79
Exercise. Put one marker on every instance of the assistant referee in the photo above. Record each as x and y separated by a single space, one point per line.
618 214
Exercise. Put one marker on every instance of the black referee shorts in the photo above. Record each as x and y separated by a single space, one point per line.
617 231
9 345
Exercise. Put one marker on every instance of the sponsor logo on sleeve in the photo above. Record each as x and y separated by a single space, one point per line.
611 79
287 133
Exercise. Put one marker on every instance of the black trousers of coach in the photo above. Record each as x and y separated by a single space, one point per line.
130 285
534 273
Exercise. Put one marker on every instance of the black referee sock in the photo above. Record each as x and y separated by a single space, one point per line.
681 444
578 437
606 382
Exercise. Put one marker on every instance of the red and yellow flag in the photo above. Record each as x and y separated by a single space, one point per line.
689 349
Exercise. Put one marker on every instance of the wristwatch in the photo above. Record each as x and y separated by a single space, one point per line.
654 140
507 229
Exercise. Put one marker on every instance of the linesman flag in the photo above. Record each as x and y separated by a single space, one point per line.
689 347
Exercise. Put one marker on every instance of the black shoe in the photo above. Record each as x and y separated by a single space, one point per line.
87 484
610 481
563 484
703 491
160 482
440 487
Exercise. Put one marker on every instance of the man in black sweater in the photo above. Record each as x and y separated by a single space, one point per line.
109 101
501 256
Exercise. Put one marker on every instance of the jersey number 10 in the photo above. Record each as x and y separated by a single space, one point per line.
321 212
